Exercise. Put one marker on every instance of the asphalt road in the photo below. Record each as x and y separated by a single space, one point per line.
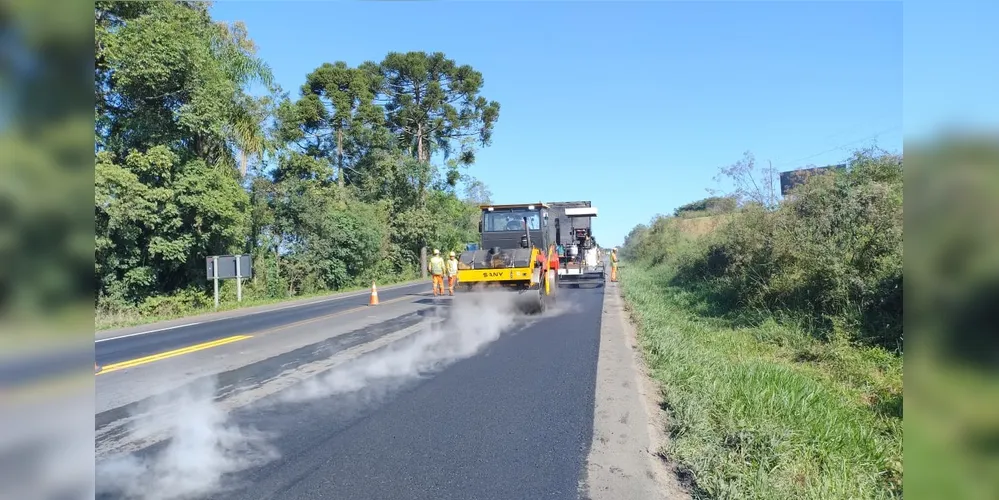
18 370
136 345
513 421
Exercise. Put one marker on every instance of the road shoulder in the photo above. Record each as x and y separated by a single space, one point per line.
628 426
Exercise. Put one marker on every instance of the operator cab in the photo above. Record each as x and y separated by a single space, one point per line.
514 226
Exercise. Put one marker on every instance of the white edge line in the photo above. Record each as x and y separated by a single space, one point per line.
328 299
148 331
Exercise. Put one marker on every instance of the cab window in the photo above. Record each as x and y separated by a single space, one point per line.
510 221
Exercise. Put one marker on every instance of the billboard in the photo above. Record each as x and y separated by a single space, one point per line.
794 178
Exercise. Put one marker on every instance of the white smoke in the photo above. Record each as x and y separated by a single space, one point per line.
45 448
202 445
475 320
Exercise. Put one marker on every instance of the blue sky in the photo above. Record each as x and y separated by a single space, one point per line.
950 71
633 105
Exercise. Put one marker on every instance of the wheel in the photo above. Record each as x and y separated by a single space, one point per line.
548 290
530 301
553 296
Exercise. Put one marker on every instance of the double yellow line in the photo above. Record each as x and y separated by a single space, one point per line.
169 354
228 340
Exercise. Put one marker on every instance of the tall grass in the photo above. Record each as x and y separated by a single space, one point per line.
768 412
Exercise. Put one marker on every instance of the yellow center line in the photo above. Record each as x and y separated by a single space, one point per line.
228 340
169 354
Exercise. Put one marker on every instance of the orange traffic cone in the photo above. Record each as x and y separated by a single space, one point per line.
374 295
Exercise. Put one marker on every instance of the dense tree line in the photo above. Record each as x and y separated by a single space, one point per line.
338 184
829 254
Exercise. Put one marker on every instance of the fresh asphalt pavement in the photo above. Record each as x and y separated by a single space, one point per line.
513 421
139 344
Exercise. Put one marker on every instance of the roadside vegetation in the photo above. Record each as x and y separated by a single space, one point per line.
952 391
775 330
329 187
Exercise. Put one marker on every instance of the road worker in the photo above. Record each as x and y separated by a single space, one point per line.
452 272
436 268
613 261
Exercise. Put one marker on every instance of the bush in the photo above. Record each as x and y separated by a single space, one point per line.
830 254
185 301
709 206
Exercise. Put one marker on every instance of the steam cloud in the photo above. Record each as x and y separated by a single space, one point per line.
203 445
476 320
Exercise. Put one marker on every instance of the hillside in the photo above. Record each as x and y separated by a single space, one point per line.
698 226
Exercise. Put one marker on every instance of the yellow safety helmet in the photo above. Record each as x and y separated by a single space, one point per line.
437 252
451 254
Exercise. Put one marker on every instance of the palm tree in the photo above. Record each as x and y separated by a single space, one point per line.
245 127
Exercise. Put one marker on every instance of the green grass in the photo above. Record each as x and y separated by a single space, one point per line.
107 320
767 411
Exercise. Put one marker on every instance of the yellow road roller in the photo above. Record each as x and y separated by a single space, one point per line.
516 253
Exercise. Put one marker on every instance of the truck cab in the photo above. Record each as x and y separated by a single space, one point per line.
514 226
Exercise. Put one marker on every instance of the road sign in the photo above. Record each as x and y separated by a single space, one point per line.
221 267
227 266
793 178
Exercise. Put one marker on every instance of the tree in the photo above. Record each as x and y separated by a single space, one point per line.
157 216
477 192
432 102
326 190
168 74
392 176
752 185
338 102
173 115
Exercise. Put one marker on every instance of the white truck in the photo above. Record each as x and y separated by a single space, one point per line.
579 255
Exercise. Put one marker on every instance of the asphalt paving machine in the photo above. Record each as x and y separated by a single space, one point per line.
579 256
516 253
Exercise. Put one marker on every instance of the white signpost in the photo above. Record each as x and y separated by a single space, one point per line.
222 267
